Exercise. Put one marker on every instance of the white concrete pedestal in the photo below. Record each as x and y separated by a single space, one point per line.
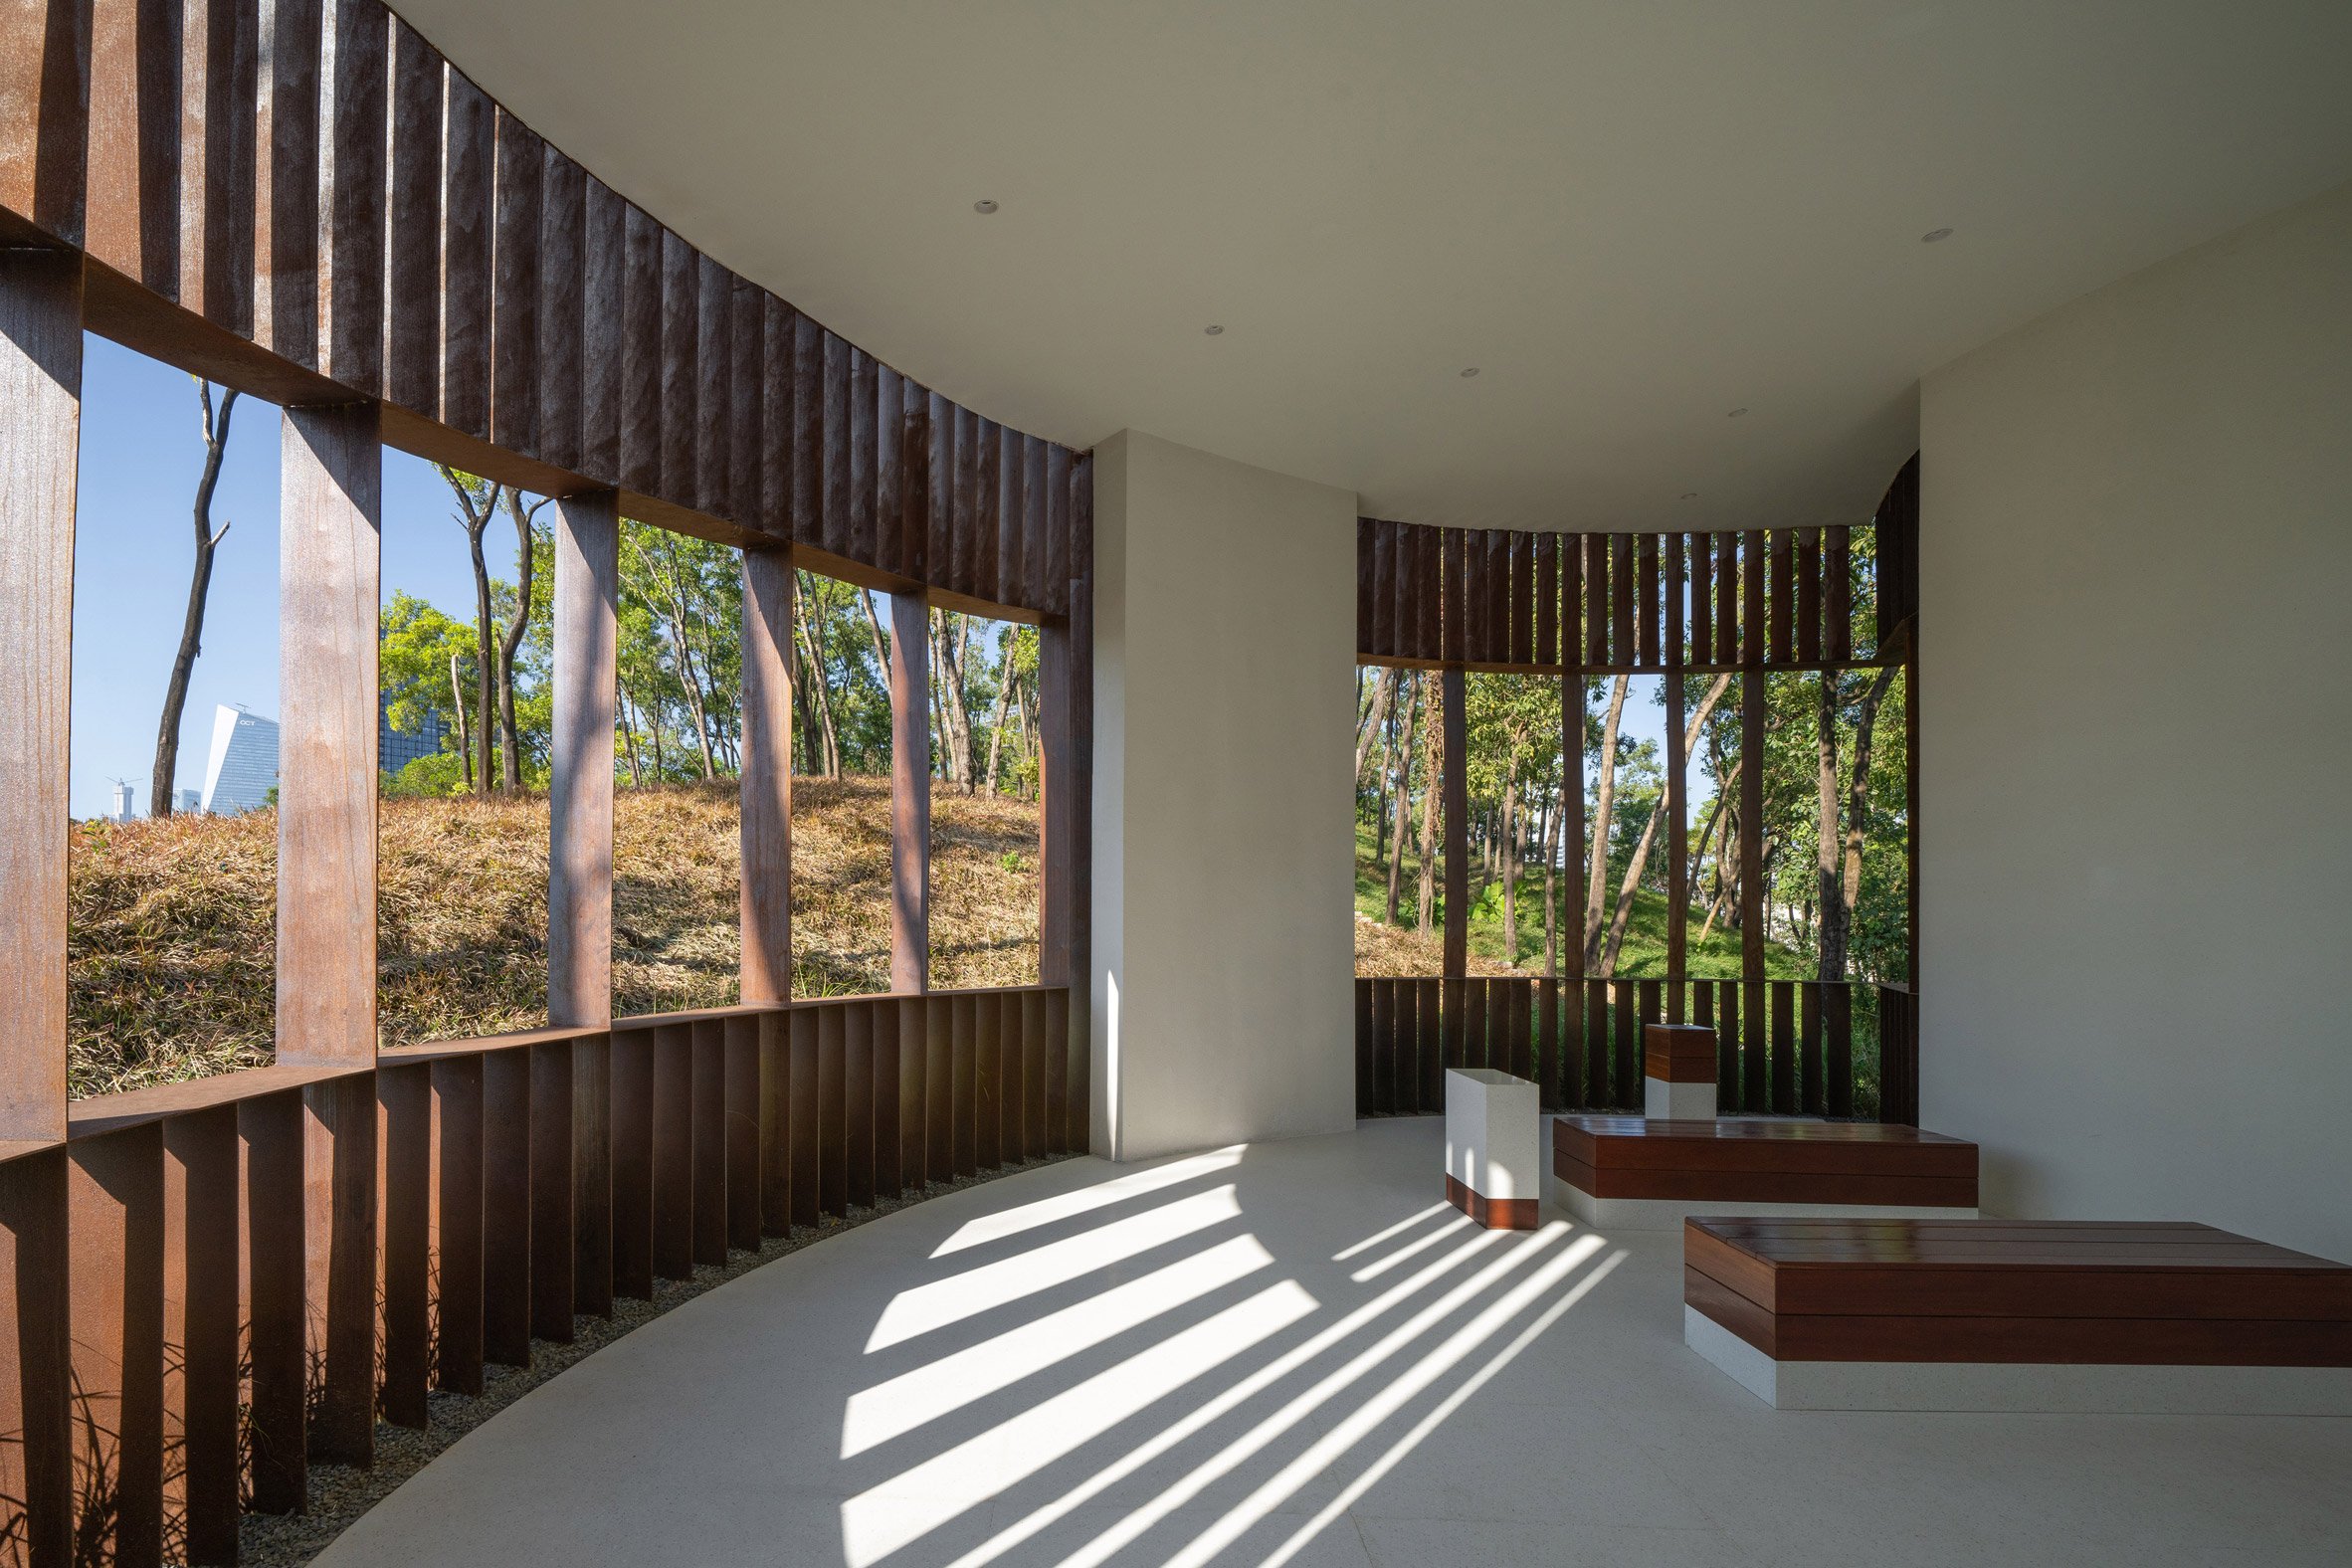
1494 1165
1662 1100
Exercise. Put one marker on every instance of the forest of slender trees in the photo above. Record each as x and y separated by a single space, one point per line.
1835 840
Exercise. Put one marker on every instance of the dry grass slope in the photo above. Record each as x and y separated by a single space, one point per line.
171 957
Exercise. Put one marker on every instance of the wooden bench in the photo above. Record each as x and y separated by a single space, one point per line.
1635 1173
2017 1314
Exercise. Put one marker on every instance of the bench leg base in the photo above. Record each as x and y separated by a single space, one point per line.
2020 1386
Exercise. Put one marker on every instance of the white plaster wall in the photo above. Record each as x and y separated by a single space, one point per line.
1223 733
2136 755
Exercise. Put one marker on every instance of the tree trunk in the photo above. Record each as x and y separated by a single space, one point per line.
1865 722
820 688
510 737
1383 689
1003 693
1640 856
1427 903
629 733
475 508
1554 827
160 793
1604 802
1396 859
1830 946
955 719
457 693
1510 870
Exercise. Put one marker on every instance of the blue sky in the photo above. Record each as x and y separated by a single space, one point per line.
141 451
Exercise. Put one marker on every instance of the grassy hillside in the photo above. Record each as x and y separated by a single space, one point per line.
1381 948
170 949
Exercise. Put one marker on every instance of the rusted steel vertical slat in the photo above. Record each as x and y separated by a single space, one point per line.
1808 596
1376 1084
1547 1044
913 1086
1625 1016
1781 618
1454 633
1838 1032
115 1198
708 1068
807 406
1702 599
1364 1098
775 1123
742 1104
857 1105
1034 1057
682 415
1813 1078
404 1099
1405 605
1728 599
36 1464
1623 582
987 1081
1677 810
457 1224
270 1132
354 124
468 166
1648 636
938 489
604 274
1524 593
220 92
964 1082
1004 572
833 452
562 285
134 139
412 284
1547 599
1067 1128
1755 575
1596 599
747 393
552 1132
832 1152
1374 585
285 197
1731 1079
883 1108
633 1163
915 481
1838 594
713 489
939 1162
339 1178
514 289
641 388
975 495
505 1207
887 447
1784 1047
989 521
45 140
674 1151
857 538
200 1332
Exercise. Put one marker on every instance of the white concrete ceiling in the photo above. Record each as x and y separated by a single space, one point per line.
1631 218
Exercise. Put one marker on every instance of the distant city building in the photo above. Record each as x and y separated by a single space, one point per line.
122 794
243 767
397 748
191 799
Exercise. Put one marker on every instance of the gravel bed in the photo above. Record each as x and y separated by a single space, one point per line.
340 1494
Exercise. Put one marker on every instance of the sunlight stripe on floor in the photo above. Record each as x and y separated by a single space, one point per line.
1249 1387
914 1398
900 1511
1046 1211
935 1305
1398 1229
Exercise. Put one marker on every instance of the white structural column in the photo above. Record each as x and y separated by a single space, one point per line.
1222 832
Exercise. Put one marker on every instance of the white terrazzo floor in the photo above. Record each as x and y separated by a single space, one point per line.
1290 1352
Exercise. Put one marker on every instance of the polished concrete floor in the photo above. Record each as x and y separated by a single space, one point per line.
1289 1353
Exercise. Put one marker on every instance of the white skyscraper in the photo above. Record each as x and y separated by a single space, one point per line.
243 768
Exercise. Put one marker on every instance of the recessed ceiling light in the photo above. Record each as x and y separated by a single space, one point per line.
1212 331
984 206
1735 413
1471 371
1690 495
1933 235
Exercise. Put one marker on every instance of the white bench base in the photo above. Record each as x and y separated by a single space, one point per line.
2018 1386
1667 1214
